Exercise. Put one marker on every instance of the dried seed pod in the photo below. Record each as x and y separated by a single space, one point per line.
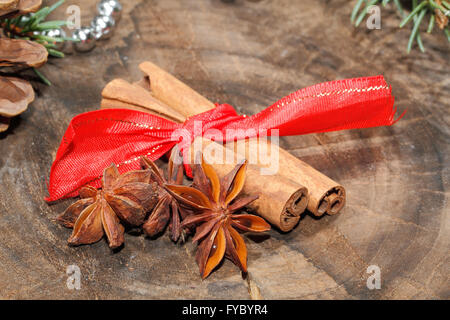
17 52
123 198
167 211
15 95
214 203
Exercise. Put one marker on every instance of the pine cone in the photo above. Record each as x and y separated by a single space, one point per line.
16 94
11 8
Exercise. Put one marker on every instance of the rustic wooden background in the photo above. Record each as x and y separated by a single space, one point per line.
249 54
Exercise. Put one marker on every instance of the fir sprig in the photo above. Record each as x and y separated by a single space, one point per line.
417 15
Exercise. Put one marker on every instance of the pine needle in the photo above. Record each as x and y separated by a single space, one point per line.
55 53
356 9
431 24
399 8
413 13
42 77
415 30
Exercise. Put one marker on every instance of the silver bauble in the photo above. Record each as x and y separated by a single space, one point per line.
86 38
111 8
103 26
24 19
56 33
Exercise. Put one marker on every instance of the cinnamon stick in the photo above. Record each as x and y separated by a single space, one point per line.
281 200
117 104
326 195
129 95
173 92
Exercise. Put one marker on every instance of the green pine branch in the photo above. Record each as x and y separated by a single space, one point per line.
416 16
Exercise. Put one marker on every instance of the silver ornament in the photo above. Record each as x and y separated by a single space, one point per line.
111 8
103 26
56 33
86 38
23 20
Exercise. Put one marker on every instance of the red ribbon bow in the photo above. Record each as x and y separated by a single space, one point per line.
96 139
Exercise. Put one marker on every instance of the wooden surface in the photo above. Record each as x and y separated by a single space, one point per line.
249 54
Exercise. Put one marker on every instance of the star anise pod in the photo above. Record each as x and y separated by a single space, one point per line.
214 203
123 198
167 210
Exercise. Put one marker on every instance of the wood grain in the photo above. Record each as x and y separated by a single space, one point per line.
249 54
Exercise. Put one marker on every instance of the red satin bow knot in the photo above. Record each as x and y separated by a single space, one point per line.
96 139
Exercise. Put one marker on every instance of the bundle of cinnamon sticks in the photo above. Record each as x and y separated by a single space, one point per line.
284 196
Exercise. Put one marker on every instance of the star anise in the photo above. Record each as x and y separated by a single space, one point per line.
167 210
123 198
214 204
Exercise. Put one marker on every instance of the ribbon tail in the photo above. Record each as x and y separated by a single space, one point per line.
331 106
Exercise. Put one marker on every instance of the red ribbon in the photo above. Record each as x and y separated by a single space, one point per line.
96 139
